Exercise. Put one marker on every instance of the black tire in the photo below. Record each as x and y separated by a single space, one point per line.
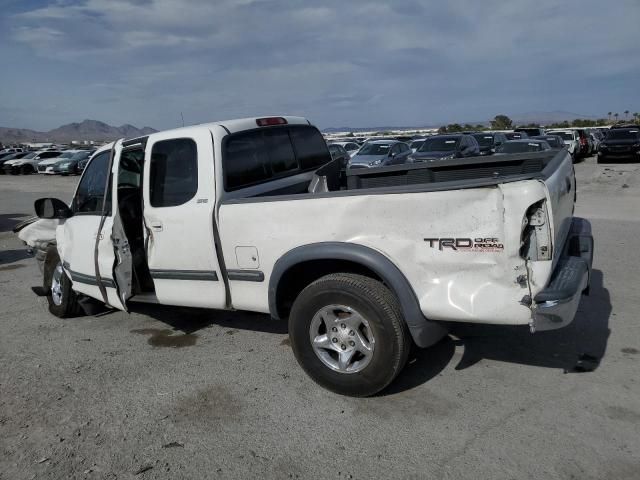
378 306
26 170
68 305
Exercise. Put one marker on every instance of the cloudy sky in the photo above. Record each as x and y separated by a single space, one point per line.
357 63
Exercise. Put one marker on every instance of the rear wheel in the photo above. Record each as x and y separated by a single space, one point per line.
348 334
26 170
63 301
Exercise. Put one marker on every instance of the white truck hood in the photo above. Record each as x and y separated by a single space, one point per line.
40 233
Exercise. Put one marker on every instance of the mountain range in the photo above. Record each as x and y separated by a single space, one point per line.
85 130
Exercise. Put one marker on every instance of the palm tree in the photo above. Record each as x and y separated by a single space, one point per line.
609 115
626 114
616 115
635 117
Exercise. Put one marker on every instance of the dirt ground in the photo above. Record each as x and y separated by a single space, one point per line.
173 393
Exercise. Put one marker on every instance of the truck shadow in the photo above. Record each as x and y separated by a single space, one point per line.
190 320
11 256
577 348
10 220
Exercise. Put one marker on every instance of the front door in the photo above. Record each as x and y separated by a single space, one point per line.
179 204
77 236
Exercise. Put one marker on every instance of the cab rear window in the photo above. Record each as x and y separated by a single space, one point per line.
257 156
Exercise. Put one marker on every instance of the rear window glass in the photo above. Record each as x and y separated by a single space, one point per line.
623 134
484 140
257 156
173 172
310 147
440 144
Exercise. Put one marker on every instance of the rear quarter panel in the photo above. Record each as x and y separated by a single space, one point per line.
461 284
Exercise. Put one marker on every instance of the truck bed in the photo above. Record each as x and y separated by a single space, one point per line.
437 175
463 172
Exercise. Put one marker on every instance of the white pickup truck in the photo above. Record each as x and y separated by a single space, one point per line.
251 214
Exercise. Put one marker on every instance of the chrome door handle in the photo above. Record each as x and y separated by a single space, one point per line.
156 226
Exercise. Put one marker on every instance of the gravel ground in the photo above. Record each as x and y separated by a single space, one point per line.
181 393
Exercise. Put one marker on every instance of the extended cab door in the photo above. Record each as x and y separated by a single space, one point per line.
179 203
84 240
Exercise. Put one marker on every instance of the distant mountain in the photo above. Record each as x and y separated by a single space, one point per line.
85 130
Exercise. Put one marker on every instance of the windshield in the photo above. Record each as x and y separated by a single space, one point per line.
565 135
484 140
66 154
80 155
516 135
553 141
623 134
375 149
520 147
30 155
442 144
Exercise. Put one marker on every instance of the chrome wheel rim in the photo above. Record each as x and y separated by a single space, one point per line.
56 285
341 338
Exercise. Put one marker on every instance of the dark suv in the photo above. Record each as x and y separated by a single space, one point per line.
620 143
489 141
441 147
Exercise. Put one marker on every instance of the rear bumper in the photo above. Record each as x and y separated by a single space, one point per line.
556 305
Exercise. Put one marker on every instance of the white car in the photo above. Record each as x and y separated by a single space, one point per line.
571 140
251 214
29 163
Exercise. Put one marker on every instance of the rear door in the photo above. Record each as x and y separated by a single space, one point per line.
179 204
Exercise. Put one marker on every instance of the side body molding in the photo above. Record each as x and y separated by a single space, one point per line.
424 332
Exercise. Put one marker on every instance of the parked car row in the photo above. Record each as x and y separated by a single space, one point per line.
50 161
580 143
391 151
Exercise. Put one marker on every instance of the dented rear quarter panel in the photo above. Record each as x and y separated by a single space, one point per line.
471 285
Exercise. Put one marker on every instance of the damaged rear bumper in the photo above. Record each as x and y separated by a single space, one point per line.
556 305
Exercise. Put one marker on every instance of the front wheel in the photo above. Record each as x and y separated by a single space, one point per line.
348 334
63 301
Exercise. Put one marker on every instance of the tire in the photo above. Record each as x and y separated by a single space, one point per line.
371 315
63 301
26 170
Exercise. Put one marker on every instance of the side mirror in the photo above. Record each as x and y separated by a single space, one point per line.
52 208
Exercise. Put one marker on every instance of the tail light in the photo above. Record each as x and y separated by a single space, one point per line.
536 233
268 121
583 141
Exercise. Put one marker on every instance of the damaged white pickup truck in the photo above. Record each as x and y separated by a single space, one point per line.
251 214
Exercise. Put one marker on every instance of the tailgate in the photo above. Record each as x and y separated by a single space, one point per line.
561 186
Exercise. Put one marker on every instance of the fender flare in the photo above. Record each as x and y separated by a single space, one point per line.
424 332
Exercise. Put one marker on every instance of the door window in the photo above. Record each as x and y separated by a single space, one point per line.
173 174
90 194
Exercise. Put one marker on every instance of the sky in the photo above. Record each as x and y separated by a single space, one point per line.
338 63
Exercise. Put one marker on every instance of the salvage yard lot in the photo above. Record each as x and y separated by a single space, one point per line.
187 393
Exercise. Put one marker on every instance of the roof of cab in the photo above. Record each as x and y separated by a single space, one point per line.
232 126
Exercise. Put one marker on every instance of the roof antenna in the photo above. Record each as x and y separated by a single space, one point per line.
182 116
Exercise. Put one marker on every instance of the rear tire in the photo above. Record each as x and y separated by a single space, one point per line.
26 170
348 334
63 301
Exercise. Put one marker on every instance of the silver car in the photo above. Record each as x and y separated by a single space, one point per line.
379 153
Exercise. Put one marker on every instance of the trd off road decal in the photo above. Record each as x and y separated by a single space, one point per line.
488 244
